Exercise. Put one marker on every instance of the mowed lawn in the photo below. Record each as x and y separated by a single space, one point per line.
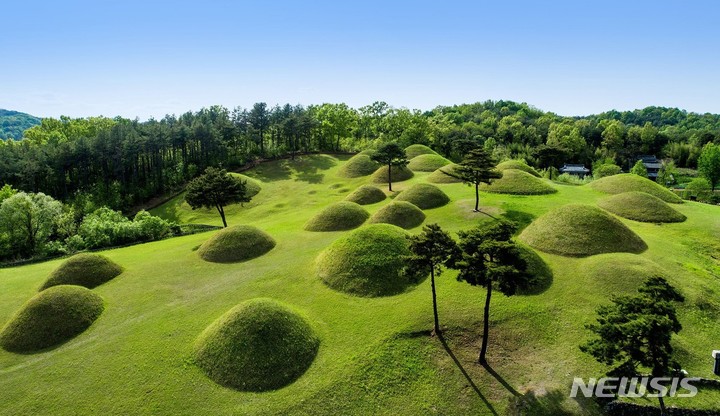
376 355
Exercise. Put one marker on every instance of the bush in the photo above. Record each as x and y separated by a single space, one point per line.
578 230
427 163
341 216
236 244
641 206
698 188
366 195
50 318
569 179
400 213
416 150
639 169
368 262
424 196
85 269
151 228
626 182
605 170
108 228
258 345
518 182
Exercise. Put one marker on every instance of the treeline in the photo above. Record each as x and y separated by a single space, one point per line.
120 163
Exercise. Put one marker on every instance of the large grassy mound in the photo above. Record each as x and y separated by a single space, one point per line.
518 182
517 164
579 230
368 262
400 213
626 182
399 174
618 272
415 150
427 163
424 196
238 243
641 206
343 215
357 166
439 176
258 345
51 317
253 186
366 195
84 269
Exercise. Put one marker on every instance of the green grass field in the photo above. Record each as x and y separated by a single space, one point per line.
375 355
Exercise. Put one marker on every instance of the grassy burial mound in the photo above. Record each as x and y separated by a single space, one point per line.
253 186
518 182
400 213
517 164
427 163
84 269
50 318
368 262
399 174
366 195
343 215
258 345
439 176
415 150
234 244
618 272
541 274
357 166
626 182
578 230
424 196
641 206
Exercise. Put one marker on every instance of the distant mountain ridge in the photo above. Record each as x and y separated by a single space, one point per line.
14 123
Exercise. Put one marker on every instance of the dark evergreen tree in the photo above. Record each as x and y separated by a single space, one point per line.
216 189
390 155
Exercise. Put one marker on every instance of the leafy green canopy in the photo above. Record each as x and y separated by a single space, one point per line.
51 317
709 164
258 345
85 269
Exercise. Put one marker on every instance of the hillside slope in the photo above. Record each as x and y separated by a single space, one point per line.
14 123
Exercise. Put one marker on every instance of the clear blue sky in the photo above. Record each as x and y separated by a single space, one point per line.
148 58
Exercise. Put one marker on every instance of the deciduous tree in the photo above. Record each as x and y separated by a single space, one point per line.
709 164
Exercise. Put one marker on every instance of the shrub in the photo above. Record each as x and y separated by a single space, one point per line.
150 227
236 244
606 170
399 174
84 269
368 262
641 206
427 163
415 150
357 166
569 179
51 317
626 182
258 345
517 164
578 230
518 182
343 215
400 213
639 169
698 188
424 196
439 176
366 195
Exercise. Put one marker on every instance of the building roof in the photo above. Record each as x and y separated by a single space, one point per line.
569 168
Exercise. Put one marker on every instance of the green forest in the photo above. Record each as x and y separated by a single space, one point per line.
14 123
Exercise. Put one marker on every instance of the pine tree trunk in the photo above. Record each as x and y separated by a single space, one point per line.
477 197
486 325
390 177
222 215
434 298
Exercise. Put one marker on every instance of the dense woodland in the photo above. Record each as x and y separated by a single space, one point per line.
14 123
120 163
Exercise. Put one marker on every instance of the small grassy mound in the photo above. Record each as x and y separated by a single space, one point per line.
400 213
641 206
424 196
517 164
415 150
368 262
84 269
234 244
343 215
51 317
626 182
578 230
541 276
518 182
357 166
258 345
618 272
366 195
399 174
439 176
427 163
253 186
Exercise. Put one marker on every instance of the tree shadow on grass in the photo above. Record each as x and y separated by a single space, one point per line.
522 219
277 170
307 168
